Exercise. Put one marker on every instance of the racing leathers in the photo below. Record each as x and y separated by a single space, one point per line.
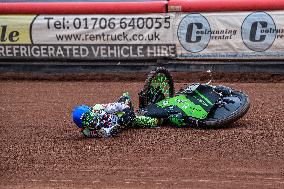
105 120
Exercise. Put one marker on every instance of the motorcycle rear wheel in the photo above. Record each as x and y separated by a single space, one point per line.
223 115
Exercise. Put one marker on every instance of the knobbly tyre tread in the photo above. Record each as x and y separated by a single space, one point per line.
155 72
207 123
148 83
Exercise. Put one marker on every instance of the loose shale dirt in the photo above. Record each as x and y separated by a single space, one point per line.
42 148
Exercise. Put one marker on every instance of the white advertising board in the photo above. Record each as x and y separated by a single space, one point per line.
227 35
241 35
94 37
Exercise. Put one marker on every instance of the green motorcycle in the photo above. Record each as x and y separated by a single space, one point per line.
199 105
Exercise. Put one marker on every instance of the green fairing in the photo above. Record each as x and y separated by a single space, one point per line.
183 103
204 98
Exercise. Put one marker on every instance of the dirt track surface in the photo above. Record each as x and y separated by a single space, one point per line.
41 147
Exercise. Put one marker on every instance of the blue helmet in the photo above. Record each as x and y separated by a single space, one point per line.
78 113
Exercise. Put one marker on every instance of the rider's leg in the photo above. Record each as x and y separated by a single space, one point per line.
146 122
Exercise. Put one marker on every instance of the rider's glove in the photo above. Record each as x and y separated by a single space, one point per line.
89 133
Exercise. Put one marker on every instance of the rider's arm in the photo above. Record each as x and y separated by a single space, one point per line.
110 108
89 133
115 107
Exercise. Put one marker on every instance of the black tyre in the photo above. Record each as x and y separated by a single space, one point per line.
158 85
235 105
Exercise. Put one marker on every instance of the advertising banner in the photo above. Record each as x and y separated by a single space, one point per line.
15 29
230 35
241 35
89 36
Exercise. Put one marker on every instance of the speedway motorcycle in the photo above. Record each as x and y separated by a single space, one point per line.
201 105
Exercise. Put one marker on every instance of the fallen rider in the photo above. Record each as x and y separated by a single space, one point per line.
105 120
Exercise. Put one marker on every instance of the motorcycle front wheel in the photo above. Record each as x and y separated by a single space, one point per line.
158 85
